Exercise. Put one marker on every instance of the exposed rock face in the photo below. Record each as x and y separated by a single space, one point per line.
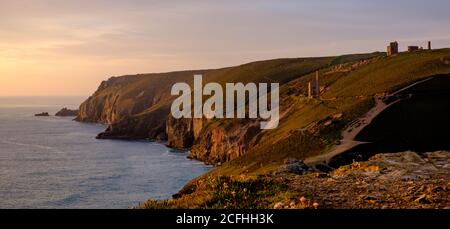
393 180
211 142
180 133
67 113
149 125
43 114
138 107
221 143
127 96
135 106
406 180
183 132
294 166
109 104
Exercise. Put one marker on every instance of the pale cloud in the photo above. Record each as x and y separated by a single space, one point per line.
44 44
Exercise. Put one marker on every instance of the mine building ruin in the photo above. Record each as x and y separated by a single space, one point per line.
314 87
413 48
392 49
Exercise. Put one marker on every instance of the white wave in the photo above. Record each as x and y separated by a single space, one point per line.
32 145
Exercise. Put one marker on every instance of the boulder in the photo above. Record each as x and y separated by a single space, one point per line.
294 166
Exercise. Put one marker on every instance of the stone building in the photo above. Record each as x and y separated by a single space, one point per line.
314 87
413 48
392 48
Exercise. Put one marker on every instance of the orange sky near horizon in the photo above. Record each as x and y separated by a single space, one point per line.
66 48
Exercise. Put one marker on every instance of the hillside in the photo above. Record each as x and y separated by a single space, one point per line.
313 127
405 180
138 107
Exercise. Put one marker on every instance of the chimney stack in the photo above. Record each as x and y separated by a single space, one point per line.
317 86
429 45
309 90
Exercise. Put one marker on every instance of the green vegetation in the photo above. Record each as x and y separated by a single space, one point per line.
391 73
302 131
224 192
308 127
228 193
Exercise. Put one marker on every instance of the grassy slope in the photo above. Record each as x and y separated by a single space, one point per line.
349 94
277 70
391 73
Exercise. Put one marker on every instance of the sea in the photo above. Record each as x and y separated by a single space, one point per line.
55 162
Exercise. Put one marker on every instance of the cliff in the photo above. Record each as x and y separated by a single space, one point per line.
183 133
138 106
220 143
66 113
124 97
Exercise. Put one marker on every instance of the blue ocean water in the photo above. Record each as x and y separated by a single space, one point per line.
54 162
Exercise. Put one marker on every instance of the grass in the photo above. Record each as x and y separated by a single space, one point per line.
225 192
391 73
228 193
349 94
307 127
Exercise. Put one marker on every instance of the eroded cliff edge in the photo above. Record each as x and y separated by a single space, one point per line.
138 106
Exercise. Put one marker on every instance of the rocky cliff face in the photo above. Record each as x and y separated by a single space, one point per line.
66 113
144 114
138 106
221 143
150 125
102 106
180 133
127 96
135 106
210 141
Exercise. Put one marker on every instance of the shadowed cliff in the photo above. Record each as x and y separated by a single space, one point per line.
420 124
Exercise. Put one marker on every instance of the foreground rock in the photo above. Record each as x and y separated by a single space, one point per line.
43 114
67 113
405 180
397 180
293 166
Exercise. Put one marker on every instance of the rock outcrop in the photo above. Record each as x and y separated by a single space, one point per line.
406 180
221 142
149 125
131 96
43 114
182 133
67 113
135 106
293 166
386 181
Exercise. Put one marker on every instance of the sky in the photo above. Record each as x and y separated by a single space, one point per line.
61 47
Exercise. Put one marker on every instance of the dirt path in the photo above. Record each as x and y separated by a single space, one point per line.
355 127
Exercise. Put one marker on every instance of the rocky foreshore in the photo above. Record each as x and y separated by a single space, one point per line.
394 180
